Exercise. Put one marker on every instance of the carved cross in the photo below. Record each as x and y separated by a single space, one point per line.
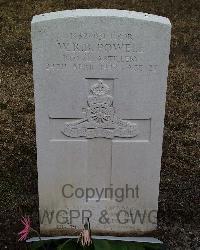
100 124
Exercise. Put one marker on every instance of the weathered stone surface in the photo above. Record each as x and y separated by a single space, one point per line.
100 83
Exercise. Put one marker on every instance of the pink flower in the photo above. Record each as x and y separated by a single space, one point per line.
27 227
85 238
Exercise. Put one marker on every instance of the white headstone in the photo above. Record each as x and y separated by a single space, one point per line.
100 81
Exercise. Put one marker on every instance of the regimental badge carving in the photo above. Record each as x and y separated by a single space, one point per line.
100 119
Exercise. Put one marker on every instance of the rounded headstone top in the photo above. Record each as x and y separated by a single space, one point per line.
100 13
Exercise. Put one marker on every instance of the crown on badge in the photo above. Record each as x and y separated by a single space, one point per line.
100 88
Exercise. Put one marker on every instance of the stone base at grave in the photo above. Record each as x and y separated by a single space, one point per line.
71 232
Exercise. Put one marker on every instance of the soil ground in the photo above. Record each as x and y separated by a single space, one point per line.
179 205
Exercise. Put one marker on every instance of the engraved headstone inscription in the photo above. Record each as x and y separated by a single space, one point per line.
100 80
